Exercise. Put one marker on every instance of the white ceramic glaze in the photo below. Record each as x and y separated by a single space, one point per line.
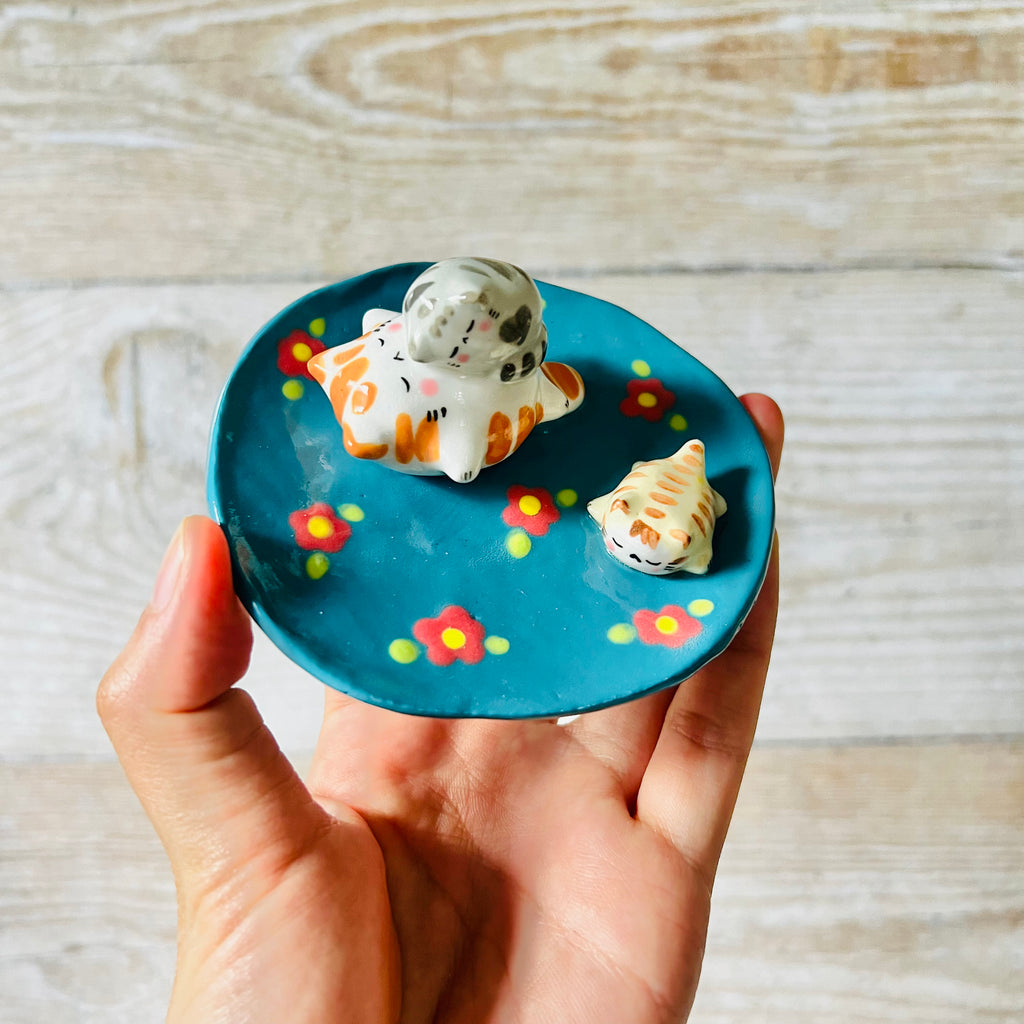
661 517
454 382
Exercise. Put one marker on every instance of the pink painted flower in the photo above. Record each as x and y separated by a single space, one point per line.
671 627
295 351
647 397
530 508
317 528
453 634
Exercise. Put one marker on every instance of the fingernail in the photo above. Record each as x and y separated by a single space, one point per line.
170 570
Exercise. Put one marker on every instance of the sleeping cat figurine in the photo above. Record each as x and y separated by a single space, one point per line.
661 517
455 381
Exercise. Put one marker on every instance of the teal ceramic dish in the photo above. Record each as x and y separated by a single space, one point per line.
497 598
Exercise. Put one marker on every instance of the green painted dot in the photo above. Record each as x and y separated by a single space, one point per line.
317 327
293 390
701 607
567 498
353 513
622 633
640 368
496 645
317 564
405 652
518 544
678 422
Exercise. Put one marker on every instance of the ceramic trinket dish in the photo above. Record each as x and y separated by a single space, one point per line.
498 599
661 517
456 381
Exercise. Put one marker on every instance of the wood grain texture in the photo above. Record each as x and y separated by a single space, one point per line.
173 173
871 886
861 885
900 498
88 900
229 140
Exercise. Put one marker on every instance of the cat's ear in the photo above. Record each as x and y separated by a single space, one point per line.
375 317
621 505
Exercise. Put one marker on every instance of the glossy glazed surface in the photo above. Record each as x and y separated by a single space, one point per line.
495 598
453 383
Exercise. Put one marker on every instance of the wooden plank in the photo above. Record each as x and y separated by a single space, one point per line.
88 900
233 139
863 885
871 885
900 499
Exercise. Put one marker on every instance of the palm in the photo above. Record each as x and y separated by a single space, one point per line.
433 870
514 864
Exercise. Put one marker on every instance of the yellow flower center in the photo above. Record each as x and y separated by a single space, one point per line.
529 504
666 624
320 527
301 351
453 638
647 400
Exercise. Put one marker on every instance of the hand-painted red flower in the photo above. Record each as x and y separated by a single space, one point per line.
453 634
530 508
671 627
317 528
295 351
647 397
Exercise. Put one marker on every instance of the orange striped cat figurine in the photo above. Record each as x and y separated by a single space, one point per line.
661 517
456 381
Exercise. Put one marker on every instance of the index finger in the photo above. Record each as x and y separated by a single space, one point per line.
690 786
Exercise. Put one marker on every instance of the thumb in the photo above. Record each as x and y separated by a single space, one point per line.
209 774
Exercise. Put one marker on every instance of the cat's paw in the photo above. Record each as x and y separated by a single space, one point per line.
462 473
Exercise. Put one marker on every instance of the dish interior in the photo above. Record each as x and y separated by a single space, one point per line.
452 599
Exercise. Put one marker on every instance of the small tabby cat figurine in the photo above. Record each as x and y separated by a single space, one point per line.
456 381
661 517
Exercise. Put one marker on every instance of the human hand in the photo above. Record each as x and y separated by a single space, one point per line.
429 870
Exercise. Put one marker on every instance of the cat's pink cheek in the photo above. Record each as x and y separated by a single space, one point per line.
395 325
428 387
485 325
464 358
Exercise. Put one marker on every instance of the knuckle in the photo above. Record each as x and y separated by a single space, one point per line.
709 734
112 693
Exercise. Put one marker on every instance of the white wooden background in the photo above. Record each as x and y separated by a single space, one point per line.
820 200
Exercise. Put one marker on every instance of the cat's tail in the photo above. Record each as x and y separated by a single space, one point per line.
561 390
